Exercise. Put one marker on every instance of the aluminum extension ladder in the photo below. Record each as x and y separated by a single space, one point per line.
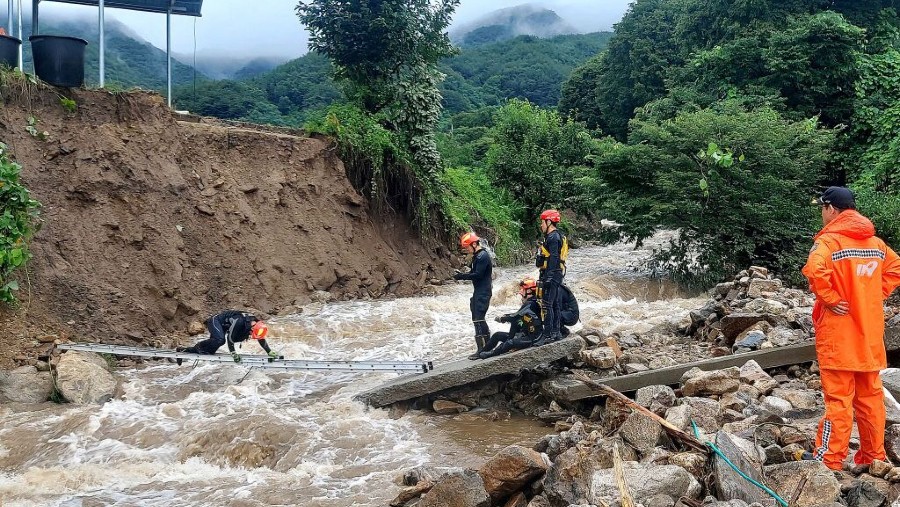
255 361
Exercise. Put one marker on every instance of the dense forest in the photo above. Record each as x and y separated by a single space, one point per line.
525 67
717 119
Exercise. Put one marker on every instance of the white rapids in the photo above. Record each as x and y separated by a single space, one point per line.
202 437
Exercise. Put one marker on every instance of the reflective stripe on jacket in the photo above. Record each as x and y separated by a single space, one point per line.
849 263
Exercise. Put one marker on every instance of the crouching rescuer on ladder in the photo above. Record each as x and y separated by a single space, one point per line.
232 326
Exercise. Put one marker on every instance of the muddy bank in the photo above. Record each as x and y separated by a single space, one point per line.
150 223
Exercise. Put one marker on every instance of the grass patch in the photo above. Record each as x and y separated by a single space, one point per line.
471 201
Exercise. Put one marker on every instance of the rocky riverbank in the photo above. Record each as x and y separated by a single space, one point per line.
760 419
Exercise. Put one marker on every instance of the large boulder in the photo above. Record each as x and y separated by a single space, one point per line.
568 481
461 489
510 470
644 482
25 385
892 442
705 383
83 377
821 485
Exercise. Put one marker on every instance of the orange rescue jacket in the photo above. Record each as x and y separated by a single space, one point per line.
849 263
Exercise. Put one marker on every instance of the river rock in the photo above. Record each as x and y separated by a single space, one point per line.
600 357
462 489
510 470
736 323
775 405
517 500
821 486
642 432
892 442
880 468
802 399
25 385
704 412
568 480
539 501
736 401
865 494
753 374
644 482
694 463
712 382
768 307
657 399
445 407
759 286
83 378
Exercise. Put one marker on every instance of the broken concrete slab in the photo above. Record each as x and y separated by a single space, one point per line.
766 358
464 372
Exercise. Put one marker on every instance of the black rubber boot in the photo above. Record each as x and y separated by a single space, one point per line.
480 341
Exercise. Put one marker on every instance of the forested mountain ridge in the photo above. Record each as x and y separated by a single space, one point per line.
525 67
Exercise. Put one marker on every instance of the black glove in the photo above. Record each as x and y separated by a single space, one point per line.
458 276
502 319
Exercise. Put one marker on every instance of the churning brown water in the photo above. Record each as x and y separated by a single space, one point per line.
202 437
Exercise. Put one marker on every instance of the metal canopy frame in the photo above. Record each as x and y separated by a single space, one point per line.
167 7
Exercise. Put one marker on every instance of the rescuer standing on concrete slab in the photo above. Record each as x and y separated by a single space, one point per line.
480 275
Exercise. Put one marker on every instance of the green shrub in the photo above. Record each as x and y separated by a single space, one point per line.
471 201
18 222
735 184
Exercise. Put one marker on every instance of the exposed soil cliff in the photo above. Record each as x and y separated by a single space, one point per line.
150 222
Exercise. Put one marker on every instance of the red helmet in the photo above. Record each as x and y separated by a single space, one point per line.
259 330
467 239
551 215
527 284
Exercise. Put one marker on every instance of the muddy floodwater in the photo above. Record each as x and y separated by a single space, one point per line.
202 436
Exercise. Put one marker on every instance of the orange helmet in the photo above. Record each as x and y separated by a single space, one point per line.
551 215
527 285
467 239
259 330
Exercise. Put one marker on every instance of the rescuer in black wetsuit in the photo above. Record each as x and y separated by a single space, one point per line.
480 275
232 326
525 324
568 315
551 260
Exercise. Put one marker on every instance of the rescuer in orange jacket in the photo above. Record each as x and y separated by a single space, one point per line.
851 272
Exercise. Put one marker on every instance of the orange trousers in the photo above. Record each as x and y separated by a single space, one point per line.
846 393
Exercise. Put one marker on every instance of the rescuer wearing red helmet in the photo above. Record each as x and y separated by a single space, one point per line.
480 275
232 326
525 325
551 260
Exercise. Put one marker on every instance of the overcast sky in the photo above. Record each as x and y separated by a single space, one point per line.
270 27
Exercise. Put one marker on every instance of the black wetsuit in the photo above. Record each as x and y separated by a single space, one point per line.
229 327
551 278
480 275
568 315
525 329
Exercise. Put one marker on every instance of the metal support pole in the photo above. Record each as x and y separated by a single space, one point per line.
169 57
20 35
35 16
102 23
9 22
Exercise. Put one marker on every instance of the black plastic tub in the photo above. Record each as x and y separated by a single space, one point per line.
59 60
9 51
